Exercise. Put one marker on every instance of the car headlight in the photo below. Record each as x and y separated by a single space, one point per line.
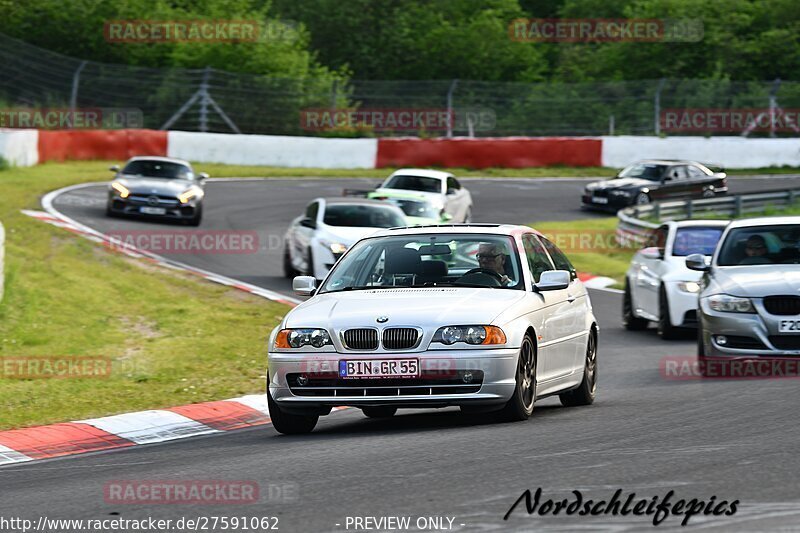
470 334
192 192
120 189
730 304
337 248
297 338
689 286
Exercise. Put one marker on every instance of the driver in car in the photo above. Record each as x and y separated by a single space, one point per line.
491 257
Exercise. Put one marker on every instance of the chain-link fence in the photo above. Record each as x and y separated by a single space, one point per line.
214 100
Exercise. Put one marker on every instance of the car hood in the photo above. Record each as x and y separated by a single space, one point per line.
155 185
620 183
424 307
434 197
757 281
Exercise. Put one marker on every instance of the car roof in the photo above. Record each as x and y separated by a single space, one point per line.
349 200
158 158
764 221
494 229
698 222
422 172
667 162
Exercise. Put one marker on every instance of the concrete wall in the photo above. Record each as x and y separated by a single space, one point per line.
20 147
730 152
272 150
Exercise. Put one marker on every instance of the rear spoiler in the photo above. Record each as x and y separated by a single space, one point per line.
362 193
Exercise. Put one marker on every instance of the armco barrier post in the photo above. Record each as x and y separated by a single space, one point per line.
737 212
2 254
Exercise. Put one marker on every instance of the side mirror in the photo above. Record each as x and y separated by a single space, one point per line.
304 285
202 176
652 252
698 262
308 223
553 280
114 168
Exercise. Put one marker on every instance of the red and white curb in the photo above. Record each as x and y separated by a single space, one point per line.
132 429
595 282
56 218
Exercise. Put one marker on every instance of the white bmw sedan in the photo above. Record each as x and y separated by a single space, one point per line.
485 317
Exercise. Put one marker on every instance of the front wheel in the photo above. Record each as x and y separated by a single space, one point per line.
289 424
379 411
197 218
520 406
665 327
642 198
629 319
288 269
586 391
310 263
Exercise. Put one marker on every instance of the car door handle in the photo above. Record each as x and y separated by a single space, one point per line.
571 298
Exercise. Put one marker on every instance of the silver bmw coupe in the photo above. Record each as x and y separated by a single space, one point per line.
486 317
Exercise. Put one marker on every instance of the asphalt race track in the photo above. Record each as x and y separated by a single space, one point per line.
735 440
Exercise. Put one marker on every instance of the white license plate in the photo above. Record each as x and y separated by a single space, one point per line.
599 200
152 210
789 326
379 368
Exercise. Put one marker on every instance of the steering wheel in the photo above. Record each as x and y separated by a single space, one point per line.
487 271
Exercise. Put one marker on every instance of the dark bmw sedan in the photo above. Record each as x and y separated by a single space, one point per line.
157 187
654 180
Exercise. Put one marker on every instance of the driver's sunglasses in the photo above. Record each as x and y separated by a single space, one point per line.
487 256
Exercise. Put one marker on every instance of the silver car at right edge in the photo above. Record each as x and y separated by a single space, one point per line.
749 300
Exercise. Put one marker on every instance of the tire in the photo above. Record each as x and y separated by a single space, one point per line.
288 269
520 406
642 199
708 193
309 263
289 424
701 351
629 319
383 411
587 390
197 218
665 328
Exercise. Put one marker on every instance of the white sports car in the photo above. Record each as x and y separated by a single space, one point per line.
658 285
441 188
329 226
485 317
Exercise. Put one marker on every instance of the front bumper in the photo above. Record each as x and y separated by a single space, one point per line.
441 383
682 306
615 203
133 204
747 334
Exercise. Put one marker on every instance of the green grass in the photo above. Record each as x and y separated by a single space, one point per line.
172 338
601 257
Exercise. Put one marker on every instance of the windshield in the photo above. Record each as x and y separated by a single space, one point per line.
644 171
158 169
414 183
696 240
415 208
363 216
761 245
428 261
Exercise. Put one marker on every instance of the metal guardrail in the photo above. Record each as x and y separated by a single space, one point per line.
2 254
632 230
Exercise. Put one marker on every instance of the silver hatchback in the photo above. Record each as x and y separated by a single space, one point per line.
749 301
